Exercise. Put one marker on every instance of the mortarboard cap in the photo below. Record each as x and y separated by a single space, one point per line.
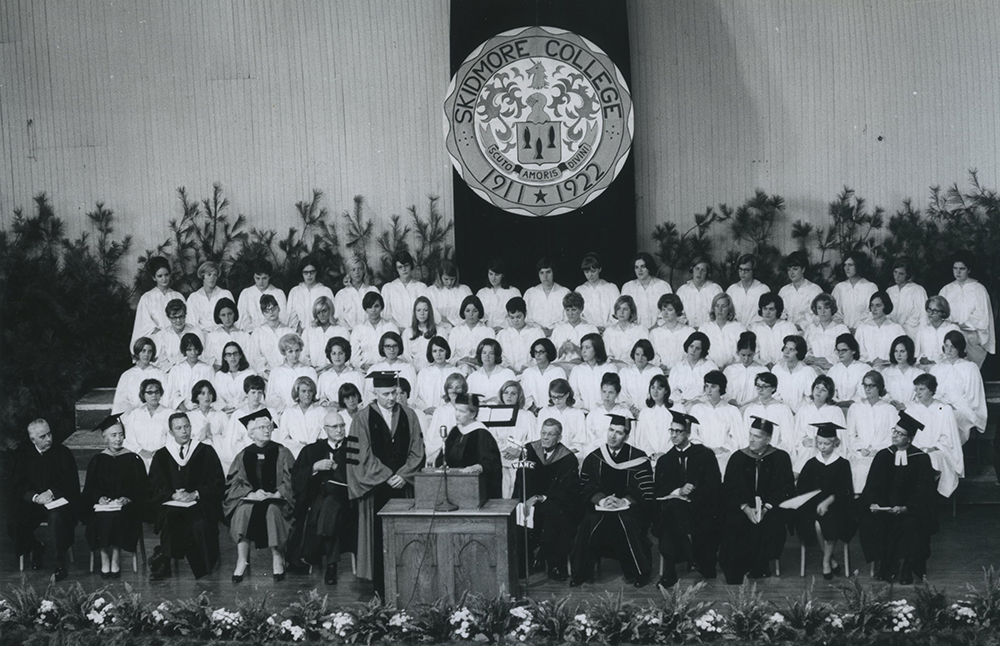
109 421
263 412
467 399
621 420
383 378
683 418
909 425
827 429
765 425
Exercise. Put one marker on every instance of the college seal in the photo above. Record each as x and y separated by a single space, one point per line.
538 121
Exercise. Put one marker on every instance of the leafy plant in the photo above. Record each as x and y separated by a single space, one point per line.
751 618
551 618
986 600
752 228
433 621
308 611
390 241
867 608
679 609
360 229
806 613
432 235
613 618
676 250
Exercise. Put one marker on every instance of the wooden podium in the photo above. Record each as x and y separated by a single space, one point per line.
430 554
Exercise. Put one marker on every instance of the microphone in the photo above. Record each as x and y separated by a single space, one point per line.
443 432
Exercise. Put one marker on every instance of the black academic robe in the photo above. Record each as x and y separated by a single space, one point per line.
115 476
188 532
748 547
265 523
324 513
889 537
35 473
689 530
623 534
834 479
556 518
478 446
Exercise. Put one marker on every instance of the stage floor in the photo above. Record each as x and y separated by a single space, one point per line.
965 545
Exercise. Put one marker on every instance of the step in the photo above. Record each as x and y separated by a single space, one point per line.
92 408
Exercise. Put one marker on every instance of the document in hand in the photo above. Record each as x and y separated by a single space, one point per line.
178 503
798 501
57 503
112 506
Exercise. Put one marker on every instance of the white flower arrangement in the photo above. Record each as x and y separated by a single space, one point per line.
464 621
46 612
100 613
297 633
648 618
902 616
6 612
340 623
964 613
583 626
225 621
526 627
710 623
402 621
836 621
159 613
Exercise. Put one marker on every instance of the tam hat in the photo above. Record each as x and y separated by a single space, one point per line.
621 420
909 425
383 378
468 399
109 421
263 412
765 425
684 418
827 429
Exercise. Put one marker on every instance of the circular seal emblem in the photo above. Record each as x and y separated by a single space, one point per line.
538 121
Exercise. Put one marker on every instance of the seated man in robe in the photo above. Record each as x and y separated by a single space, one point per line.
44 475
688 487
758 479
187 486
617 483
326 520
898 513
551 487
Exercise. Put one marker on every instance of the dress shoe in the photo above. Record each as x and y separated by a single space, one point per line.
557 574
828 576
330 578
668 580
576 583
116 575
279 577
105 575
60 573
238 574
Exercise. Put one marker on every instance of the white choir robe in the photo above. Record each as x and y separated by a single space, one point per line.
798 302
619 342
127 392
399 300
635 384
930 339
687 382
495 304
779 413
771 340
720 428
740 382
586 383
151 314
822 342
300 304
404 370
722 340
545 309
299 428
646 298
264 353
208 429
908 306
698 302
447 301
517 344
251 317
229 389
806 416
971 307
651 432
668 344
364 341
520 434
574 423
489 385
795 386
429 389
217 340
280 382
168 345
960 385
181 378
145 431
464 341
852 301
564 333
847 380
415 350
875 341
535 384
331 381
314 340
347 303
597 423
236 438
599 302
746 300
201 307
939 439
899 382
869 427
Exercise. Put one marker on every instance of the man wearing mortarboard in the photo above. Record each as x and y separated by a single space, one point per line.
385 451
688 486
898 512
758 479
617 482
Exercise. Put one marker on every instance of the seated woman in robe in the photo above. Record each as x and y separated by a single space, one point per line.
127 397
259 497
471 447
960 385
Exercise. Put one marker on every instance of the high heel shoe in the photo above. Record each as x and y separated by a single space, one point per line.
238 578
279 577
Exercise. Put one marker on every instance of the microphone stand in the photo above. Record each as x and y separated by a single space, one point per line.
445 504
523 463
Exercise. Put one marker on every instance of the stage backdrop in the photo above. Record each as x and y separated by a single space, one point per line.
540 89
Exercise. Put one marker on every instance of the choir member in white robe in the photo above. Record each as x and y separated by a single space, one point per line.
447 295
225 331
302 298
635 377
511 439
517 337
771 331
168 340
908 298
669 335
422 329
536 379
930 337
819 409
302 422
598 294
201 304
900 374
348 300
652 429
147 425
971 308
183 375
150 313
869 427
127 395
466 337
561 407
236 438
623 333
429 393
940 438
586 377
746 292
795 378
848 372
280 394
337 373
455 386
490 376
821 336
401 292
495 295
687 379
768 407
597 418
366 334
318 330
742 374
390 348
799 293
265 351
545 300
722 330
251 310
697 293
646 289
568 333
960 385
855 291
720 424
876 335
208 424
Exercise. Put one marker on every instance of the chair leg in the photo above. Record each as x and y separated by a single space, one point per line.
777 567
847 560
873 570
21 563
142 550
92 561
802 560
354 564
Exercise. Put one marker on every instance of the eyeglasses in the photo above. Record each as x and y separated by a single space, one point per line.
334 426
154 392
933 310
177 317
843 350
269 308
867 385
386 346
558 396
539 351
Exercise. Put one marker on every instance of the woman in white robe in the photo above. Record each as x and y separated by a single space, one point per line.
127 395
960 385
772 330
422 329
400 294
302 422
208 424
586 377
854 292
819 409
225 331
848 372
347 302
490 377
536 379
869 427
698 293
201 304
768 407
146 427
444 419
646 289
447 295
280 391
687 379
465 338
795 378
939 438
930 336
876 335
150 313
821 336
899 375
720 424
971 309
236 438
302 298
511 439
229 380
598 294
652 430
621 335
494 296
561 407
321 326
185 374
669 335
429 393
390 348
337 373
366 334
722 330
265 352
635 377
597 418
742 374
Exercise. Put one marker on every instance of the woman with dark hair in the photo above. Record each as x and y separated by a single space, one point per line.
908 298
819 409
302 422
447 294
848 371
699 293
624 331
875 335
799 293
687 379
366 335
236 438
900 374
495 295
536 379
586 377
400 293
265 353
455 386
635 377
545 300
646 289
348 300
302 298
127 392
740 375
652 430
598 294
722 329
960 385
251 303
869 427
168 340
971 308
669 335
201 304
569 332
939 438
794 376
279 384
769 407
186 373
208 425
349 399
147 424
225 331
720 424
471 448
772 329
930 335
855 291
561 407
746 292
318 330
422 329
390 348
490 375
597 418
465 338
337 372
821 336
150 313
429 393
228 381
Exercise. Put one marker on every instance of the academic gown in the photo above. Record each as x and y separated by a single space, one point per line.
114 476
840 521
323 510
689 529
887 537
188 532
748 547
35 473
555 476
266 523
471 445
623 534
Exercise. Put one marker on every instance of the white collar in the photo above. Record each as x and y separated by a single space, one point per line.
175 451
901 459
471 426
833 458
